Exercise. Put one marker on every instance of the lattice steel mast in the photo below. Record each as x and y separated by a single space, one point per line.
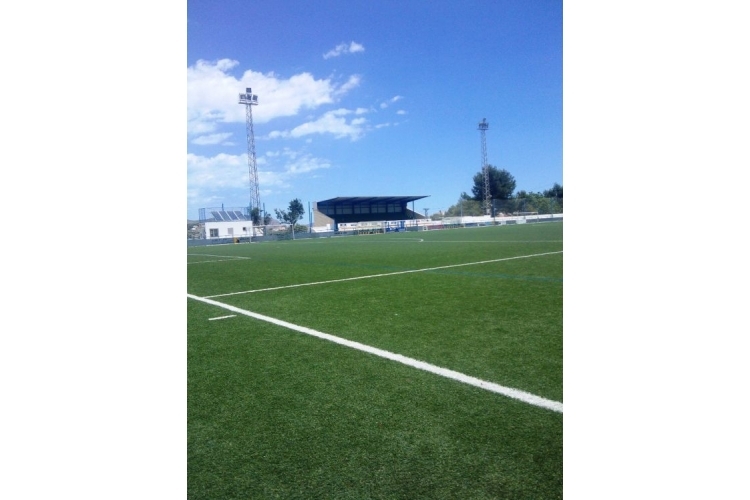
249 100
483 126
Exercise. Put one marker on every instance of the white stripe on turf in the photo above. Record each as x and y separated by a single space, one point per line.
384 274
421 365
214 255
223 317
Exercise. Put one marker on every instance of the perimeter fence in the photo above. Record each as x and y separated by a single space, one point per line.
381 227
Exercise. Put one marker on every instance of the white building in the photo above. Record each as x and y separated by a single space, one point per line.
228 224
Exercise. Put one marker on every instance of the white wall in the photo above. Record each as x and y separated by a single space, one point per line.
225 226
480 219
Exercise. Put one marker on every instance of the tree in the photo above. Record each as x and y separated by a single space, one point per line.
502 184
292 214
556 205
555 192
466 206
255 217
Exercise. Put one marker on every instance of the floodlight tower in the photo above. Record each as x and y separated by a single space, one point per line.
483 126
249 100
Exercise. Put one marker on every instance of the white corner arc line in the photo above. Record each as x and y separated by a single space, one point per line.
382 275
526 397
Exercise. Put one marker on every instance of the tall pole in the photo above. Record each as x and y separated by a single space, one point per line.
483 126
249 100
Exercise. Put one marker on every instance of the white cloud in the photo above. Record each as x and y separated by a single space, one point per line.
306 164
351 83
343 48
340 112
213 94
333 122
390 101
278 134
225 170
212 179
287 166
205 140
400 112
196 127
290 153
220 171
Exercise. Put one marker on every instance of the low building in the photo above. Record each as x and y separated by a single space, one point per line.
229 223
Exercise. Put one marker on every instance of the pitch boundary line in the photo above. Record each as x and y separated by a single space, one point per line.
209 261
358 241
222 258
517 394
388 242
380 275
214 255
494 242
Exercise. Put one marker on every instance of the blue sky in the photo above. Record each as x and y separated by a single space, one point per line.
371 98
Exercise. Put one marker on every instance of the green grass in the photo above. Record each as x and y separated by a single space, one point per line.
273 413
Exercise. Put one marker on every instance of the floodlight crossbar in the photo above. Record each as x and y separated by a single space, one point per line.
250 99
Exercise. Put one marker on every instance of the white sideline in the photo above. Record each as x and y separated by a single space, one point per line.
494 242
421 365
223 258
209 261
214 255
381 275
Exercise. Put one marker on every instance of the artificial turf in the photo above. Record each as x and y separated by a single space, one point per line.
273 413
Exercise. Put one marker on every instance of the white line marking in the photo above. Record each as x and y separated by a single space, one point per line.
390 240
495 242
223 317
380 275
526 397
220 256
209 261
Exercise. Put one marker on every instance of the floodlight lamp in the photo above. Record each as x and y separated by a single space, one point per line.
248 99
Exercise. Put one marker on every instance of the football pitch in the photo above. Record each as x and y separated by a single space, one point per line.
402 365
